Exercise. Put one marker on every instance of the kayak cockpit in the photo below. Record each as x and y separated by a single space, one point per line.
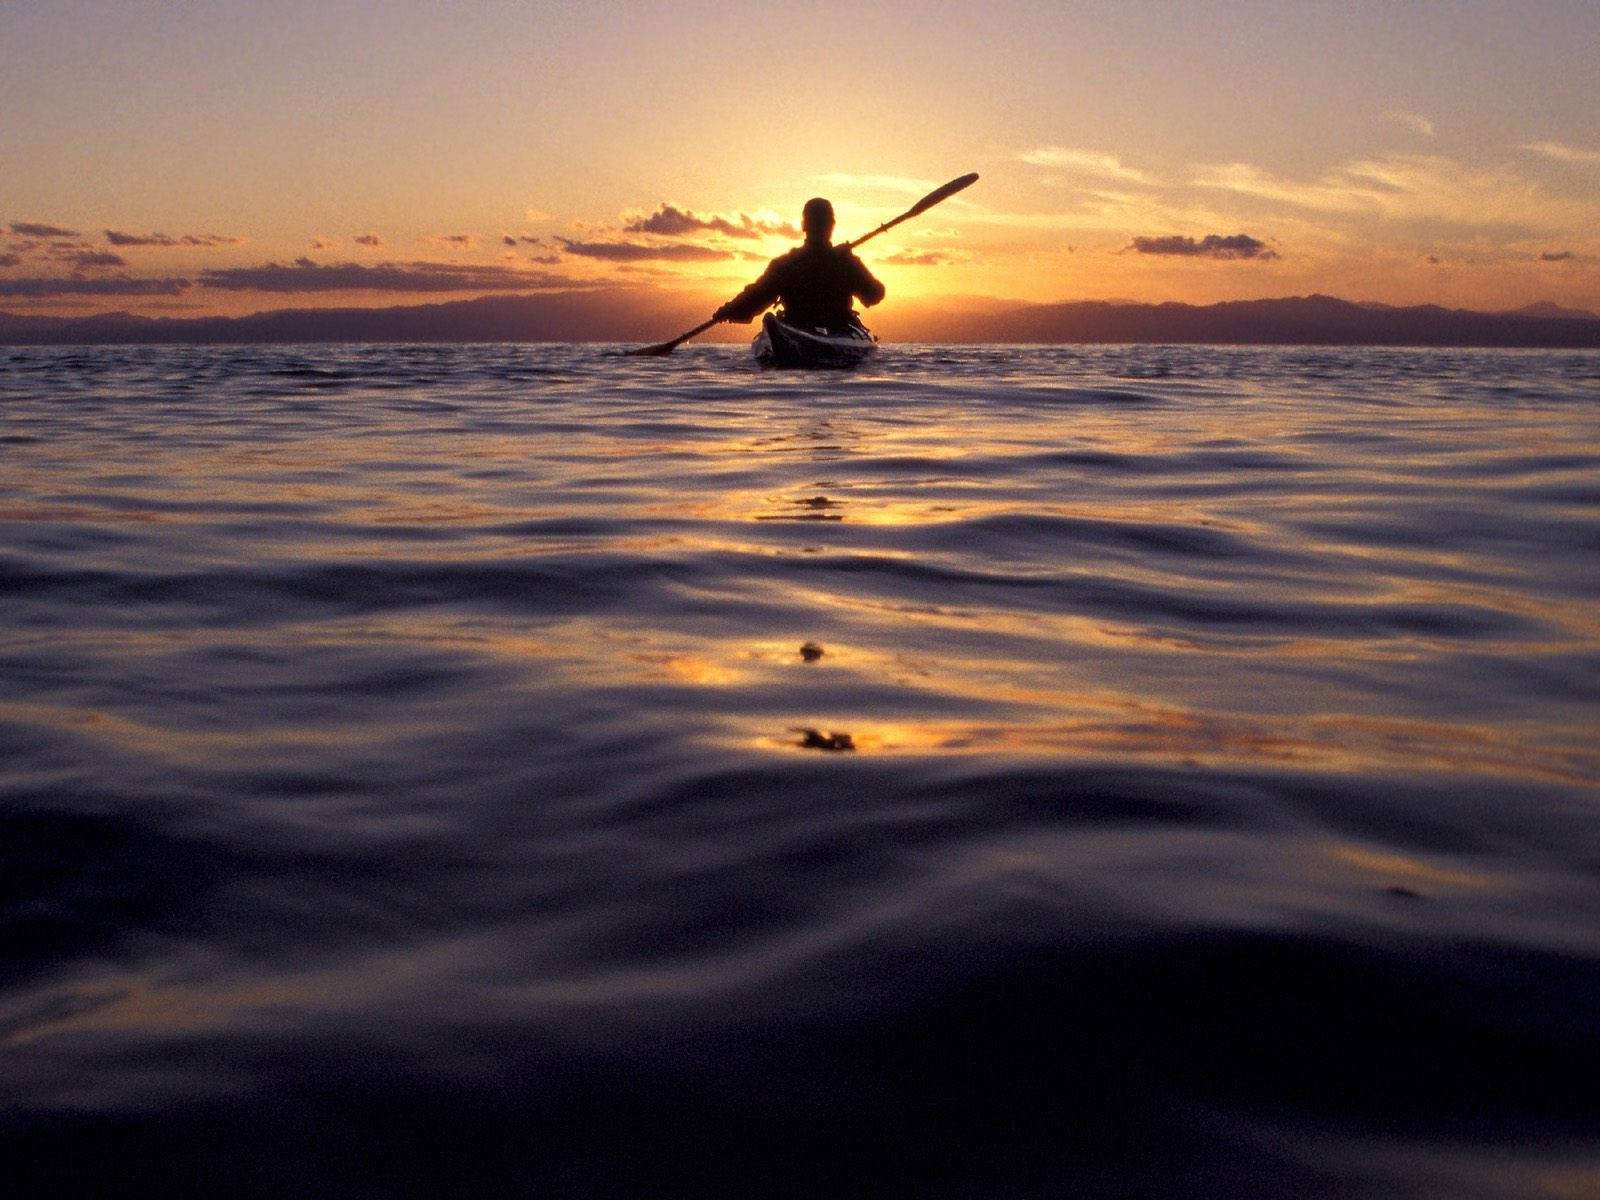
780 344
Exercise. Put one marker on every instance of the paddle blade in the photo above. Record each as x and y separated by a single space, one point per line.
943 193
662 349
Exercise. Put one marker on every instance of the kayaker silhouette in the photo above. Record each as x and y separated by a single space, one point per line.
815 282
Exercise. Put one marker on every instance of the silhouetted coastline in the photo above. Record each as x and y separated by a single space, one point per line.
608 316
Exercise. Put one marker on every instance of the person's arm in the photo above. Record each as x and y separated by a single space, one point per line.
756 298
862 283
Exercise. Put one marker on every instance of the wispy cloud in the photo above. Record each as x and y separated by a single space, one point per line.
1239 245
1555 150
40 230
911 258
670 221
456 241
305 276
1415 187
878 183
1087 162
1558 256
9 260
118 238
1416 122
639 252
1341 192
35 289
370 240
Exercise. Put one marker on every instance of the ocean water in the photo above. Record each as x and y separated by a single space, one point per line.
996 772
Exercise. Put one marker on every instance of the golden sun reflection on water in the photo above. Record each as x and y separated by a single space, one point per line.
751 692
1182 738
1390 864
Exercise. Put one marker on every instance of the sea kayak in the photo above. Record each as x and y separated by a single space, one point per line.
780 344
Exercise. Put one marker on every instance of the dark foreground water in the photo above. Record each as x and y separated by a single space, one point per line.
412 784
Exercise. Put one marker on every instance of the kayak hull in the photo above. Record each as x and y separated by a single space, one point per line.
780 344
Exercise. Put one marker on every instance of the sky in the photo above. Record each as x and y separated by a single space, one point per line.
196 157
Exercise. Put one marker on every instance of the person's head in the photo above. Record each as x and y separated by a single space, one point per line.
817 220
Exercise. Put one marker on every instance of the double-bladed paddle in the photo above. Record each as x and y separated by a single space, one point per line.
921 206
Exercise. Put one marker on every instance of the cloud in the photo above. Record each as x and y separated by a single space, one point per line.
34 289
670 221
1089 162
879 183
638 251
9 260
1413 121
368 239
35 229
118 238
1343 191
322 243
1412 187
91 259
64 251
1555 150
1211 246
461 241
1559 151
907 258
82 256
1557 256
303 275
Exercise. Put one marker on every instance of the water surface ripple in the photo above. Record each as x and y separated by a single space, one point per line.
413 782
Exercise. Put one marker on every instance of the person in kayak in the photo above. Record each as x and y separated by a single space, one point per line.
815 282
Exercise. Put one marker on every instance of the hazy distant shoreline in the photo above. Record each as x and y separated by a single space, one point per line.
588 316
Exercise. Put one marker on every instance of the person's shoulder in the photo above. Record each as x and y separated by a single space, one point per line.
784 262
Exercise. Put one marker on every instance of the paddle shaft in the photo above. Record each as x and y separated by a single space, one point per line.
921 206
669 347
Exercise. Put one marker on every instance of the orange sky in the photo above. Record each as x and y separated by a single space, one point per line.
223 157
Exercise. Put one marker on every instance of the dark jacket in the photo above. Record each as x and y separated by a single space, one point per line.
816 283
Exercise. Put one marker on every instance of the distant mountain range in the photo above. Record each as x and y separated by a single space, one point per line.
565 316
635 316
1297 320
